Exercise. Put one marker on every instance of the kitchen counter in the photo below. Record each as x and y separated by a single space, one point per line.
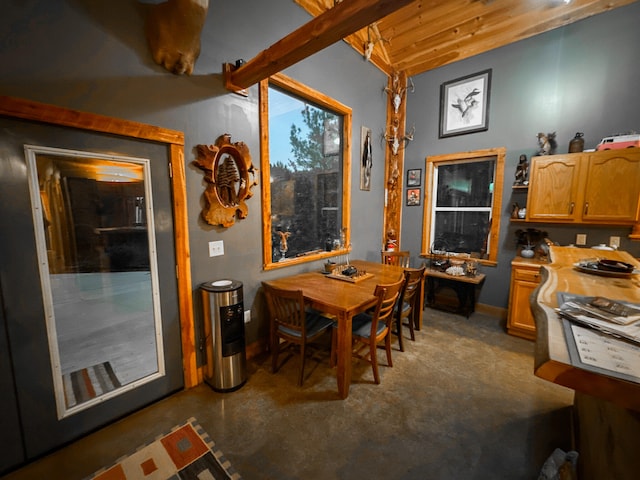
606 409
552 356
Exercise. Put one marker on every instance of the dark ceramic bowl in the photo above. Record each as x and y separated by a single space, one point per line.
615 266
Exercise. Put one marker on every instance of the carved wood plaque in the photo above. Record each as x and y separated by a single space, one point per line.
227 168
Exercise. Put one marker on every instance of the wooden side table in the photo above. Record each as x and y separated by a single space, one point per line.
465 288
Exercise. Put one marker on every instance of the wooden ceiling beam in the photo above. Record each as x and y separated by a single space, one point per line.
326 29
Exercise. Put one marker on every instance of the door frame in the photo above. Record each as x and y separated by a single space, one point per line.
174 140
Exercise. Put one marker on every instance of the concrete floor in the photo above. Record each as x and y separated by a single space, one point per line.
460 403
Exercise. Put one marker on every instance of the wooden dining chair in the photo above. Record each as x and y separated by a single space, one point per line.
372 327
293 323
399 258
409 302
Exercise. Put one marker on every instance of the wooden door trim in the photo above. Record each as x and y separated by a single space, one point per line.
45 113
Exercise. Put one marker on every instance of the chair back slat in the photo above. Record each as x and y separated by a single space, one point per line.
286 308
408 302
412 280
400 258
387 298
291 325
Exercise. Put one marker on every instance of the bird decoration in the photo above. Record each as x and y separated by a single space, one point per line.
464 105
547 143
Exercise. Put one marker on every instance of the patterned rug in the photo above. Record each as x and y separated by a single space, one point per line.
185 453
88 383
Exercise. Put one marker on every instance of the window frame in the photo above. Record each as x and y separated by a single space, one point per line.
432 163
298 89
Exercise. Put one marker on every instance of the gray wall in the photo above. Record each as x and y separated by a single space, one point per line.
93 56
580 78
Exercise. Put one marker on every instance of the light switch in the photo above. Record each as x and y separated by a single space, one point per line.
216 248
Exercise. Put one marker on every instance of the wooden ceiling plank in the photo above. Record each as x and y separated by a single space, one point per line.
324 30
431 33
489 35
497 35
471 28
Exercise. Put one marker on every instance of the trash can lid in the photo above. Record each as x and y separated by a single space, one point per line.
222 285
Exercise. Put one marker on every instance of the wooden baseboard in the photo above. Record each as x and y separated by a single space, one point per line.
256 348
497 312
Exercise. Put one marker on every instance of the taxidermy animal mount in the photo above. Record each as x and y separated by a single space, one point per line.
227 168
173 32
547 143
398 91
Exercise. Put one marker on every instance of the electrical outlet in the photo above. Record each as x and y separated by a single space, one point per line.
581 239
247 316
216 248
614 242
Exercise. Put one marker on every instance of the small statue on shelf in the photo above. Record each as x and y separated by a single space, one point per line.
515 208
547 143
522 171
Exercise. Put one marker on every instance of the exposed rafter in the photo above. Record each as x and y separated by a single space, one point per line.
329 27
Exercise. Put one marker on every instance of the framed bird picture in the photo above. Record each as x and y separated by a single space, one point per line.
464 104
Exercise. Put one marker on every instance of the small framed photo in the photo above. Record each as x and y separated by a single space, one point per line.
464 104
413 197
414 177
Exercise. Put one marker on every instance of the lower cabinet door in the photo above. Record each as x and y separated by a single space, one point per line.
520 321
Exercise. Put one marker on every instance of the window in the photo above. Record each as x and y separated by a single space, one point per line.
464 197
305 163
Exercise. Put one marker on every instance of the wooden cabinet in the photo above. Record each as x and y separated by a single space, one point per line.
588 187
525 277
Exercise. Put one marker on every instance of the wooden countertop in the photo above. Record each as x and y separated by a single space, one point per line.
552 360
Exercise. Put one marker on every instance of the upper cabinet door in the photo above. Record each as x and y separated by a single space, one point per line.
554 189
612 187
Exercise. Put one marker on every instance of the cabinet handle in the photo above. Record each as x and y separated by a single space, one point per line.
586 208
571 208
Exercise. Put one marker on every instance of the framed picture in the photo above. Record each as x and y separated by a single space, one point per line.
464 104
366 160
413 197
414 177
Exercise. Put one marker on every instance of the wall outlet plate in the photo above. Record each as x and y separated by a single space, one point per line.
614 242
247 316
216 248
581 239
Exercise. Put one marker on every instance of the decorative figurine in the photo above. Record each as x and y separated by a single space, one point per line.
283 244
515 208
528 240
522 213
547 143
522 171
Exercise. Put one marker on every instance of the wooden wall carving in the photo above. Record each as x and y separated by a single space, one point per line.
228 169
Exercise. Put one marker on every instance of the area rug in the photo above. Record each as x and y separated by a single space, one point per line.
88 383
185 453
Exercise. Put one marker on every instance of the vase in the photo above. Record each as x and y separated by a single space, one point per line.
527 252
577 143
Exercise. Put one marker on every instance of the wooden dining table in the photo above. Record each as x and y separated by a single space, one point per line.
342 299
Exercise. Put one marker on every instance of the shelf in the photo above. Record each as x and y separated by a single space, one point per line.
520 188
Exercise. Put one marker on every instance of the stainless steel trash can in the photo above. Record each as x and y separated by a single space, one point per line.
223 308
